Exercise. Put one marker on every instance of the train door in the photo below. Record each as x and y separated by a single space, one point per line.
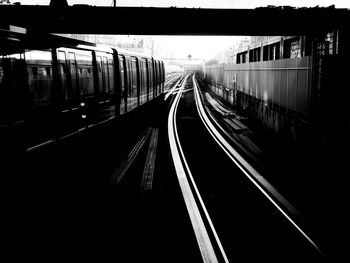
140 83
86 88
106 75
74 79
94 102
100 77
105 107
137 64
41 115
110 84
63 72
132 99
70 116
123 85
129 84
129 100
150 78
143 81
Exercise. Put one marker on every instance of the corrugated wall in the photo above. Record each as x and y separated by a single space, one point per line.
281 82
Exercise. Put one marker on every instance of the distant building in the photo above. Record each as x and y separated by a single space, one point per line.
228 56
141 44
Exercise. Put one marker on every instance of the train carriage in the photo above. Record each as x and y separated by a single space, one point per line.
52 86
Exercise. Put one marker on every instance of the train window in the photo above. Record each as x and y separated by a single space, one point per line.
39 67
271 52
241 57
40 84
61 55
251 55
275 51
38 56
86 78
84 57
291 48
286 49
266 53
254 54
295 49
14 77
71 56
99 64
86 81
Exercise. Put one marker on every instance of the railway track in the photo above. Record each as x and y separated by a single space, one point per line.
235 213
176 197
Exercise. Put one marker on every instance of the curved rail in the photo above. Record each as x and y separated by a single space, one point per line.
175 87
246 168
183 172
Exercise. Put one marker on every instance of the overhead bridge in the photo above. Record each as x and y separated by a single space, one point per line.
85 19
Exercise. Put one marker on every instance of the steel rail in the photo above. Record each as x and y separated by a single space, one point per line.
175 86
243 165
181 167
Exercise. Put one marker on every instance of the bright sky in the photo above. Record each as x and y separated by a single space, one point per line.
204 47
200 3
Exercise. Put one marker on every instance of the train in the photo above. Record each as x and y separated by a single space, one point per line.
52 86
287 84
